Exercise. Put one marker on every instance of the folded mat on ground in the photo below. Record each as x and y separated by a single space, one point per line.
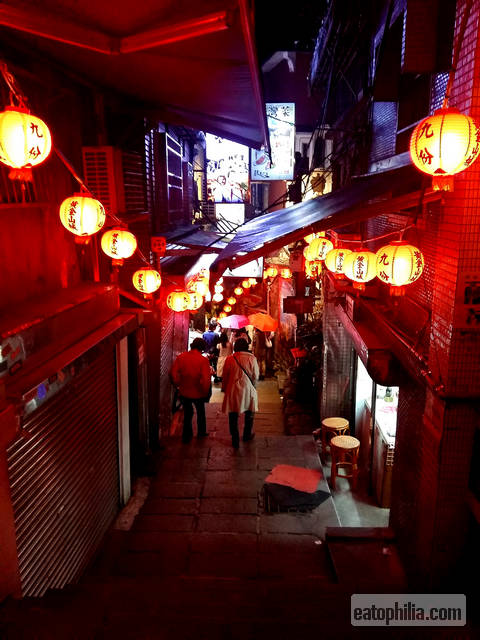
282 497
298 478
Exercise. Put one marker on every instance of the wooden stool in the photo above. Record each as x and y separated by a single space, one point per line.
344 451
332 427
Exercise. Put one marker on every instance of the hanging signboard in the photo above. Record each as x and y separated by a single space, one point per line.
227 170
281 127
467 304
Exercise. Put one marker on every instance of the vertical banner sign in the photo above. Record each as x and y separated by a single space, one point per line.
281 127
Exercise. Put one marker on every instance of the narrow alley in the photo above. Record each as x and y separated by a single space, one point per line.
202 559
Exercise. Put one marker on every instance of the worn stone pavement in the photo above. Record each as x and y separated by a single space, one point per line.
201 559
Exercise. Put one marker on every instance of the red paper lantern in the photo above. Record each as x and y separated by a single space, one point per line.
270 272
227 308
361 267
196 301
399 264
147 281
25 140
82 215
238 291
178 301
119 244
334 261
231 300
444 144
286 273
246 284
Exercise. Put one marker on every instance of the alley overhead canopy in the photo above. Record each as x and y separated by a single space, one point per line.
187 63
366 197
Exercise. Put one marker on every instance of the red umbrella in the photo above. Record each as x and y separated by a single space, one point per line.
235 321
263 321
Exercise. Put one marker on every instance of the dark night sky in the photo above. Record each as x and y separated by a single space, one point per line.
287 25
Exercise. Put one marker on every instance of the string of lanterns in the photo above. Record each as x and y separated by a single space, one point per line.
396 264
25 142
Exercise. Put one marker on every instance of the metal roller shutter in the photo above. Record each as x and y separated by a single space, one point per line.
63 473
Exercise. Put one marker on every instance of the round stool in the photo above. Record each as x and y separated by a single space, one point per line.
344 451
332 427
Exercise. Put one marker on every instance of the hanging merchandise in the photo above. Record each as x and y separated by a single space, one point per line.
286 273
399 264
445 144
334 261
178 301
147 281
119 244
82 215
361 267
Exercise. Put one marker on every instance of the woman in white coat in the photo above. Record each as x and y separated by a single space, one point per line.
239 379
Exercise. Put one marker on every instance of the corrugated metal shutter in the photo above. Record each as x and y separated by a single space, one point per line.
64 479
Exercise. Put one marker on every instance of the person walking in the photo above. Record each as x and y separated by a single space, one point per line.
260 351
240 375
225 349
192 374
211 337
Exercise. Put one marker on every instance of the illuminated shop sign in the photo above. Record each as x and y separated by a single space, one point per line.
227 170
281 126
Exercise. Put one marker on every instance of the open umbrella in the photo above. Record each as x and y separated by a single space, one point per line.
263 321
235 321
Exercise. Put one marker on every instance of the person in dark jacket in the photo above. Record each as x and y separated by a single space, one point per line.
192 374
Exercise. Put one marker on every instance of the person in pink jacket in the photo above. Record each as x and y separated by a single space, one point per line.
192 374
239 379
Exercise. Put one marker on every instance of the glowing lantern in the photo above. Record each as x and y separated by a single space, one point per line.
119 244
311 237
398 264
361 267
227 308
218 288
309 253
322 246
222 314
196 301
270 272
253 281
217 297
82 215
238 291
334 261
313 268
232 300
246 284
220 280
25 140
197 286
286 273
444 144
147 281
178 301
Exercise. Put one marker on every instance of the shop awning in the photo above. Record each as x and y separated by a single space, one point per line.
186 63
366 197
